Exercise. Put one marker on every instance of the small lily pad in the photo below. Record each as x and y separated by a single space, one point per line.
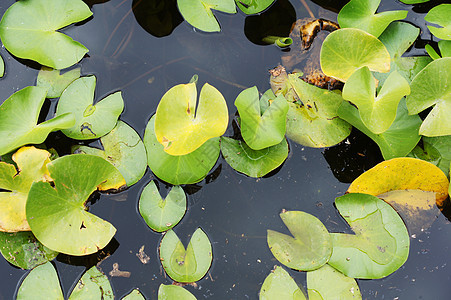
261 129
328 283
280 285
41 283
162 214
92 285
57 214
29 29
251 7
19 117
198 12
2 66
439 15
380 244
91 121
435 150
55 83
134 295
346 50
182 169
188 265
309 249
124 150
362 14
181 127
171 292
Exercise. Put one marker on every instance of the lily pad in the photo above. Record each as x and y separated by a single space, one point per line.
182 169
19 117
124 150
134 295
253 163
311 246
188 265
162 214
376 112
181 127
29 29
380 244
251 7
31 167
361 14
413 1
328 283
92 285
23 250
439 15
432 87
41 283
57 214
280 285
396 141
171 292
54 82
346 50
261 129
91 121
198 12
2 67
435 150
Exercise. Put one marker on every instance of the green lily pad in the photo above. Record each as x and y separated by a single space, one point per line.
280 285
432 87
29 29
377 113
41 283
19 116
311 246
54 82
134 295
380 244
171 292
186 266
57 214
328 283
2 67
435 150
413 1
251 7
124 150
31 167
198 12
346 50
23 250
396 141
92 285
253 163
182 169
181 127
361 14
162 214
91 121
261 129
439 15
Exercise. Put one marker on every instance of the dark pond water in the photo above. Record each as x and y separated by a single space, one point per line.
234 210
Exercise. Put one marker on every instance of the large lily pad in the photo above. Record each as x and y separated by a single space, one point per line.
280 285
328 283
31 167
309 249
188 265
362 14
92 285
124 150
253 163
28 30
41 283
198 12
57 214
439 15
376 112
349 49
171 292
396 141
91 121
162 214
54 82
181 127
261 129
182 169
380 244
250 7
432 87
19 117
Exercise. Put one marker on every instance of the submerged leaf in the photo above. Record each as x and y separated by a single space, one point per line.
92 285
280 285
439 15
55 83
41 283
172 292
250 7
